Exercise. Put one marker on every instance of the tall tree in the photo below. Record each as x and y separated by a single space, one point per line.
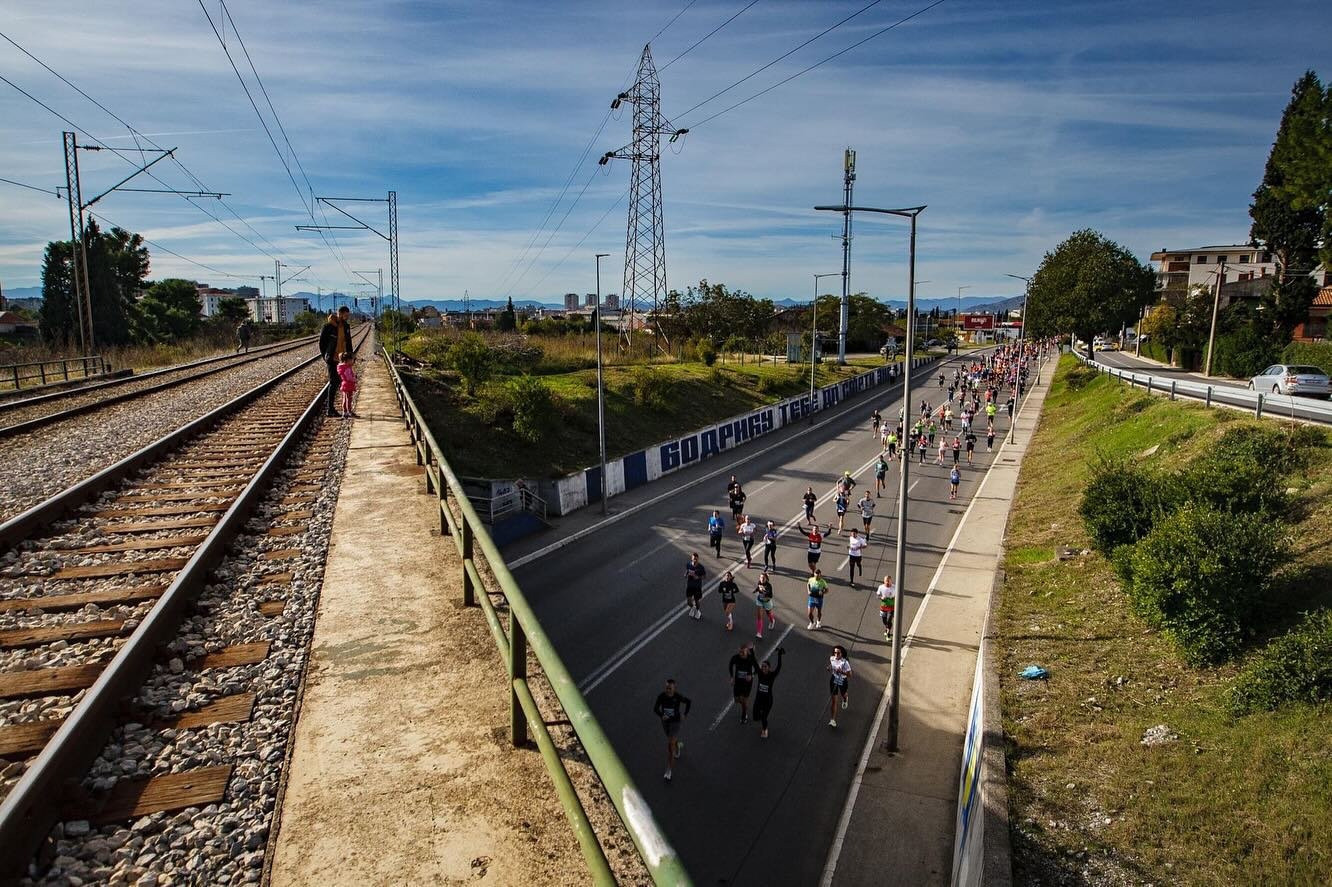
508 321
59 314
1290 207
169 311
117 267
1087 285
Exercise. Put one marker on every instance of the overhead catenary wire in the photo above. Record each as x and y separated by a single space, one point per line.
157 246
581 241
31 187
803 71
552 234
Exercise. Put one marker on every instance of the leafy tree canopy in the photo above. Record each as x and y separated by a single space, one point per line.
169 311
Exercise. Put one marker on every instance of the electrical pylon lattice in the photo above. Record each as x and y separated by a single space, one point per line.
645 236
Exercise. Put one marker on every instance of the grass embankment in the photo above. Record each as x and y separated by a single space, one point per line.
1242 800
694 395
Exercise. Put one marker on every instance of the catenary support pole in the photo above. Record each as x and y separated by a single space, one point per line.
601 388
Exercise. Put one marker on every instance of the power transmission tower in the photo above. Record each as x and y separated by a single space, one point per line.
645 238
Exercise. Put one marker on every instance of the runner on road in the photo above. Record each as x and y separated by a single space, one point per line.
989 440
770 546
839 682
971 444
672 708
810 500
875 419
840 503
763 603
887 605
715 526
694 574
815 545
866 505
880 477
954 478
744 666
728 590
747 529
818 587
767 676
855 549
957 451
737 498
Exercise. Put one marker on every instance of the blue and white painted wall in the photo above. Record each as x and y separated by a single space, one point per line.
636 469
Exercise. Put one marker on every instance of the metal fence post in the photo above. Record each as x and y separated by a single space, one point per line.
1172 389
41 371
469 593
1208 402
1258 412
517 672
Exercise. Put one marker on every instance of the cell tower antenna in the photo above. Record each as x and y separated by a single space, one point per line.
645 237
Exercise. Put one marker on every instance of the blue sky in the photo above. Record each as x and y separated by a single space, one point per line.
1016 123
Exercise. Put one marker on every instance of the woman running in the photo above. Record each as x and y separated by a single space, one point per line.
887 604
989 440
744 665
728 590
818 587
770 546
715 525
764 605
954 478
855 550
746 529
767 676
839 682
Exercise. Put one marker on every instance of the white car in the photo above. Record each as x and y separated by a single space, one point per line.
1284 378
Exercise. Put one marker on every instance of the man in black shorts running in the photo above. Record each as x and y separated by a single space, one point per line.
671 707
694 574
767 676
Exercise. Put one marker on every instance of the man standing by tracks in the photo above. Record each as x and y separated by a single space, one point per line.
334 340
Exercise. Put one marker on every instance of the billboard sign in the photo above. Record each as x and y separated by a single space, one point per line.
978 321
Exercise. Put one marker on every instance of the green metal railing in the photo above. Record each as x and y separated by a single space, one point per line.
525 631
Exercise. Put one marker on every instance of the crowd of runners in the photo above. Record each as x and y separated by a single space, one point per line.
969 399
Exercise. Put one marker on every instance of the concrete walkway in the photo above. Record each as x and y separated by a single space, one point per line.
401 771
899 823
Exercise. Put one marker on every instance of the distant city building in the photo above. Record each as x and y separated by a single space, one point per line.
570 301
612 302
1180 270
591 301
274 310
247 292
429 318
210 297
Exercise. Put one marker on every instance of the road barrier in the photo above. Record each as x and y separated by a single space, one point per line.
525 632
1281 406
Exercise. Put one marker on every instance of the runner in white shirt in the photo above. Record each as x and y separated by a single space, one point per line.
887 605
866 505
747 529
855 547
839 682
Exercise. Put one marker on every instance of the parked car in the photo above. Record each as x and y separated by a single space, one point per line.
1284 378
933 343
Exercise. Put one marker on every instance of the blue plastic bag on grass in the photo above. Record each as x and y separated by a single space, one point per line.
1033 673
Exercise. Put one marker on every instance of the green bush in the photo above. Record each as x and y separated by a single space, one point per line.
1197 573
532 406
473 360
650 387
1317 353
1123 501
1079 377
1282 449
707 352
1243 353
1296 667
1238 485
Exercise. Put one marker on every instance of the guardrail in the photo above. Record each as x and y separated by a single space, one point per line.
1283 406
58 372
469 534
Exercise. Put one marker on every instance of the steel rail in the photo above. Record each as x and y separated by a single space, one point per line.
37 423
525 631
34 805
113 380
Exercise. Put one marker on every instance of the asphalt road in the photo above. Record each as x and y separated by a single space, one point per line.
742 810
1126 360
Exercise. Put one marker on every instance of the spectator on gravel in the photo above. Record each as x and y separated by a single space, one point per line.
243 336
334 340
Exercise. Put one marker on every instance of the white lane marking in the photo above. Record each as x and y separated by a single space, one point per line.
720 469
844 822
670 541
760 488
731 703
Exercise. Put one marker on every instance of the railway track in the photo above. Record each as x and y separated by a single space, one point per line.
120 580
18 416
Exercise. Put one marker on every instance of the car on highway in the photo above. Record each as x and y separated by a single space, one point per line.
1285 378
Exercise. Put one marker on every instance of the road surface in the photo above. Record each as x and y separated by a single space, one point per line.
741 810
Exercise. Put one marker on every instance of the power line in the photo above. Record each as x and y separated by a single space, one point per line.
31 187
552 234
672 21
580 242
804 71
779 58
172 252
700 40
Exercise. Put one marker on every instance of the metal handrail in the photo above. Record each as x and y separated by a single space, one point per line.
525 631
94 365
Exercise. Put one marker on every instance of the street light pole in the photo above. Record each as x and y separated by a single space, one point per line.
601 389
1022 332
957 315
814 340
1216 304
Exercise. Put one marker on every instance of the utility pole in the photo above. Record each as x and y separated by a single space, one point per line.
645 236
1216 305
601 388
848 185
814 340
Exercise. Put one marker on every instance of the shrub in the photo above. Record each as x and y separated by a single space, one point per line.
650 387
1296 667
1079 377
1317 353
532 406
1243 353
1283 450
1239 485
1196 573
716 378
473 360
707 352
1122 502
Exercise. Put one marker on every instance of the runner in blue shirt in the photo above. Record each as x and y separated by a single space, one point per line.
715 527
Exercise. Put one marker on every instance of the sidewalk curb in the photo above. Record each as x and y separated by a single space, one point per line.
997 850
